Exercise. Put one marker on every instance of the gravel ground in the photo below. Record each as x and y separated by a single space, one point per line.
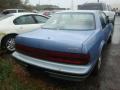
108 78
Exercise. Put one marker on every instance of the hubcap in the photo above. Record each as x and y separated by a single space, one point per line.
10 45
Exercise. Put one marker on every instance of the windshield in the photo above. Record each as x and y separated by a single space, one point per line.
4 17
73 21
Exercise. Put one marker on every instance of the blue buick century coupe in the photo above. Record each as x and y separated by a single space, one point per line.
68 46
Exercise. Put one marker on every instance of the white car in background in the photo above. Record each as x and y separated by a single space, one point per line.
106 8
18 23
8 11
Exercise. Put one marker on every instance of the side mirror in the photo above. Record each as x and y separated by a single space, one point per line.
107 19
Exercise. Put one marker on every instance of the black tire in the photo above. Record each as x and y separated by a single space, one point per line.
31 69
97 66
110 40
113 22
8 43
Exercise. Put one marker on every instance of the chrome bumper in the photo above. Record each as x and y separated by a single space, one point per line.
77 70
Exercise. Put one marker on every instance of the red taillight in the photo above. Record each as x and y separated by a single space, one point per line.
70 58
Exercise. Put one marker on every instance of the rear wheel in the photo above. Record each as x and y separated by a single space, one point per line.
8 43
97 66
110 39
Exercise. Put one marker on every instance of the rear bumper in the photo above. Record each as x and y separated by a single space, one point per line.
63 71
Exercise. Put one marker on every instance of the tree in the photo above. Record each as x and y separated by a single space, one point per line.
26 2
4 4
45 7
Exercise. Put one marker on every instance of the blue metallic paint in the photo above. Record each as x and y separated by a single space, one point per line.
91 41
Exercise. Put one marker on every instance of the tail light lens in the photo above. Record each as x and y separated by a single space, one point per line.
55 56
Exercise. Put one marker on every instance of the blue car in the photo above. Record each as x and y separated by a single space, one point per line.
68 46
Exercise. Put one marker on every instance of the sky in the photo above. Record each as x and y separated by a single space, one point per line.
67 3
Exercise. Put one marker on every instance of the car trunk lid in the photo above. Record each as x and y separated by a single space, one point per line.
57 46
56 40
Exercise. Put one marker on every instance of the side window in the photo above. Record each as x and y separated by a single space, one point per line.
40 19
8 11
27 19
22 10
5 12
12 11
103 20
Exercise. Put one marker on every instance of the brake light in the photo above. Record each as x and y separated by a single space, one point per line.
63 57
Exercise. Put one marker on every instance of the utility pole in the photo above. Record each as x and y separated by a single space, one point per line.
98 1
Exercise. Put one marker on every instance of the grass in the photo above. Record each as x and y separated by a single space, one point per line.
8 80
15 77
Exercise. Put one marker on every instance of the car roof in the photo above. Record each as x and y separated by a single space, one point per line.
93 3
80 11
100 3
22 13
14 9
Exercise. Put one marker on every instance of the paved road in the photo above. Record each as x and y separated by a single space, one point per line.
108 79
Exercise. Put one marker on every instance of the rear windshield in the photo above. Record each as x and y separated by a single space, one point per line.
4 17
91 7
71 21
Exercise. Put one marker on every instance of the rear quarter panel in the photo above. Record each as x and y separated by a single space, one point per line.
96 41
94 45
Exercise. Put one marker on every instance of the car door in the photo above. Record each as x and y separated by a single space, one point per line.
25 23
105 26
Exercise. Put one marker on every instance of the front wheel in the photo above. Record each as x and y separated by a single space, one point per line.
8 44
